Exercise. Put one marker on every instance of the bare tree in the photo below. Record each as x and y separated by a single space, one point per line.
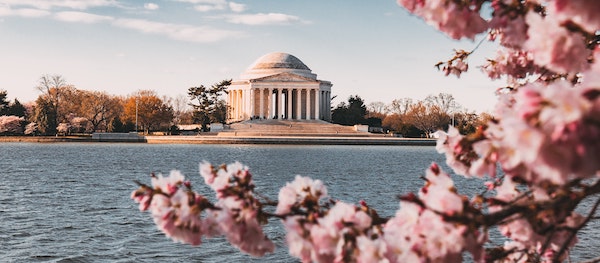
181 108
444 101
400 106
377 107
51 87
149 109
100 109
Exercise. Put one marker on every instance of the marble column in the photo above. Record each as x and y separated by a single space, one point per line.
235 106
308 108
298 104
317 104
262 103
288 99
270 104
279 103
249 105
229 105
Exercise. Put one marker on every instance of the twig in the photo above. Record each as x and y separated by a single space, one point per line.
564 246
593 260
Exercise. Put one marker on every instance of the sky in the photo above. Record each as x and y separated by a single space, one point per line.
370 48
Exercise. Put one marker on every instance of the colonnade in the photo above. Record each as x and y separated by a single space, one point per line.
279 103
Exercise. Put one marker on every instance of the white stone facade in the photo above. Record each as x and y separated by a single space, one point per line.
279 86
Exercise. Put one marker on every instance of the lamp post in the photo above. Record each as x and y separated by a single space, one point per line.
136 114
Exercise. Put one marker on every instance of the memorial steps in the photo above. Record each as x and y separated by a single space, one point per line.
292 128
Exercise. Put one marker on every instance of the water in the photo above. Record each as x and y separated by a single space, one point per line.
70 202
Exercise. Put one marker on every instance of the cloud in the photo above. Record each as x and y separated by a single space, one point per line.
151 6
212 2
199 34
262 19
73 16
211 5
50 4
206 8
235 7
181 32
22 12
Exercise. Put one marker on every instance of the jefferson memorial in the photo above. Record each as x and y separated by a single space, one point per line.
279 86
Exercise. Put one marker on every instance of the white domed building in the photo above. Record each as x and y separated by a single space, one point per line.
279 86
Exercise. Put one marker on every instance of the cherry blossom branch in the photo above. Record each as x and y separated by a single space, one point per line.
574 231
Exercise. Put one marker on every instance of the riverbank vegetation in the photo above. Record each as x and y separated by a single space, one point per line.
63 109
410 118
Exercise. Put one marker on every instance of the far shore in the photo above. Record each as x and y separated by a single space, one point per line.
211 139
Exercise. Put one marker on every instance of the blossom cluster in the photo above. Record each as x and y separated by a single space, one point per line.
537 36
454 18
240 216
11 124
509 62
187 216
176 209
545 136
318 230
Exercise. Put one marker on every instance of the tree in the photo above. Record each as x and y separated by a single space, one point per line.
208 108
425 118
400 106
543 138
11 125
4 103
31 129
100 108
45 116
51 88
17 109
377 107
350 114
445 102
150 111
181 110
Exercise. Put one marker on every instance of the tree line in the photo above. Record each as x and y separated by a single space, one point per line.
63 109
408 117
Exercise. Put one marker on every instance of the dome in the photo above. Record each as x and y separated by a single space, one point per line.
278 60
277 63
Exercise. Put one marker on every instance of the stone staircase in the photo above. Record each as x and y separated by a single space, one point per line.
292 128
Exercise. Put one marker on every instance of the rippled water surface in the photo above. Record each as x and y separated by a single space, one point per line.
70 202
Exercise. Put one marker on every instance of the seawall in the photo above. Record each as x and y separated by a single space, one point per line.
192 139
298 140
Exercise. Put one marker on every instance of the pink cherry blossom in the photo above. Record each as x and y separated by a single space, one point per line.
297 191
439 194
457 21
582 12
371 250
168 185
511 63
238 221
171 208
510 29
555 47
11 124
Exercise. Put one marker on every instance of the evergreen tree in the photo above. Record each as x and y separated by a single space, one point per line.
17 109
45 116
117 125
350 114
4 103
208 107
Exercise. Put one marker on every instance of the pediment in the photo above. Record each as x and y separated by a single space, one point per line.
284 77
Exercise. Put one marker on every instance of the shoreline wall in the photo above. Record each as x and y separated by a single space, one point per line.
183 139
